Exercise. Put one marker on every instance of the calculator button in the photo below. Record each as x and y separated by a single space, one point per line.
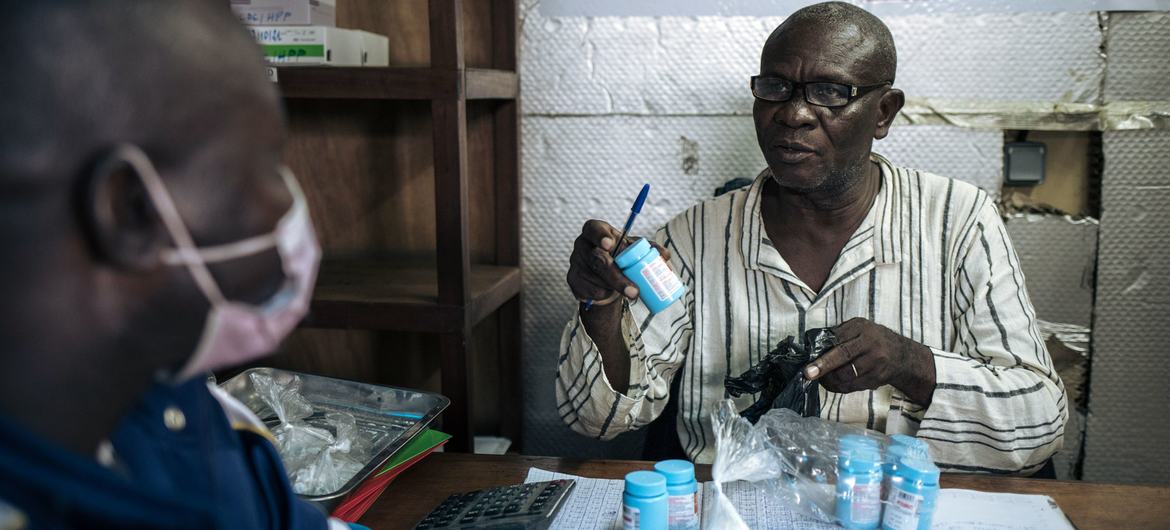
492 512
512 508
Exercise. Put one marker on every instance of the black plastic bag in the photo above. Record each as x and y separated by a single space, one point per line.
779 377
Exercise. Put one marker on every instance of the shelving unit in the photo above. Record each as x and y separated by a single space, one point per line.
396 82
367 283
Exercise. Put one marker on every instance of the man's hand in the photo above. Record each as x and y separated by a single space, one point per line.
593 276
592 273
869 356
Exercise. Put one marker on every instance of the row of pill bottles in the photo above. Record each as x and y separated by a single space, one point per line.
663 499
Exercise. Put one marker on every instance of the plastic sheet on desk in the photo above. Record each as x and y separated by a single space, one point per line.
788 458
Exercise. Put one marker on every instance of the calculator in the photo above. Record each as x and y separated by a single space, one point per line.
525 506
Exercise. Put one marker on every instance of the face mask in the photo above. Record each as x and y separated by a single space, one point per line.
235 332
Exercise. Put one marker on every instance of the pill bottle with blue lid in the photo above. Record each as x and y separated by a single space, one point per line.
681 489
658 286
859 487
645 503
901 446
913 497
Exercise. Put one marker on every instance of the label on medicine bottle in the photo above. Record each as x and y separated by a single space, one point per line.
630 517
902 513
662 280
683 512
866 507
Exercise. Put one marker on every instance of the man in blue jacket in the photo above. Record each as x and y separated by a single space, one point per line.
149 235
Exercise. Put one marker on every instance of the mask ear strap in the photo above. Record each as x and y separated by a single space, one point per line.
165 206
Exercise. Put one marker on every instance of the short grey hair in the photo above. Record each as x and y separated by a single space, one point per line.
832 15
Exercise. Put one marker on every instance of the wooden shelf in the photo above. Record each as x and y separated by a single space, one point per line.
385 294
475 168
395 82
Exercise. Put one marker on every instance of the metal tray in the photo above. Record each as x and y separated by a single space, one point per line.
390 417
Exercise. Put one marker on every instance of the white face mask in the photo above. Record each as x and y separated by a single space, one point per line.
235 332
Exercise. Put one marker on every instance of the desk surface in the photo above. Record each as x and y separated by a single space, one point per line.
421 488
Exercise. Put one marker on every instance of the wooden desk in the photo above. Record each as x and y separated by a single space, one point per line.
424 486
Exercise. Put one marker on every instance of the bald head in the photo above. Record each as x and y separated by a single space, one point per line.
855 32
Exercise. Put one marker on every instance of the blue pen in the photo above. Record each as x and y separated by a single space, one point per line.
634 211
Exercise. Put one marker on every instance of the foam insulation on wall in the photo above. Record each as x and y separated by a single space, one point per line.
1129 404
1058 256
1137 45
580 168
701 65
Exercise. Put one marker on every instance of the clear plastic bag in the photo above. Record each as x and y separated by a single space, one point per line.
334 464
318 460
798 461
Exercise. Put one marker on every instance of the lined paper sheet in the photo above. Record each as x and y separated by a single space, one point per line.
594 503
977 510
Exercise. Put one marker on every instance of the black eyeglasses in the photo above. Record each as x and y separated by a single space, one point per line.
822 94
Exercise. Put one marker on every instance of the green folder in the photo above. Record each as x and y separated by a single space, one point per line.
420 444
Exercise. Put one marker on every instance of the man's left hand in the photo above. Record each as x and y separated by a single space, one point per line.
870 355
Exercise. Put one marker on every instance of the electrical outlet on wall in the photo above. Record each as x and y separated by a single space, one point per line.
1023 163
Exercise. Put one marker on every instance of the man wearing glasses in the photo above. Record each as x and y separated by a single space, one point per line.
913 271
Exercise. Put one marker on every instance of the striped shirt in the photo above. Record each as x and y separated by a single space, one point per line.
931 261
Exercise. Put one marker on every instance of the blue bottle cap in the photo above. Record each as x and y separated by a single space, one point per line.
645 484
860 460
903 439
852 441
633 253
896 452
917 469
676 471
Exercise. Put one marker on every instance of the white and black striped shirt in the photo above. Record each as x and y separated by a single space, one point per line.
931 261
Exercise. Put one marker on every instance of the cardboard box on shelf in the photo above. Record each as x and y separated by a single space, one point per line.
286 12
309 45
375 49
